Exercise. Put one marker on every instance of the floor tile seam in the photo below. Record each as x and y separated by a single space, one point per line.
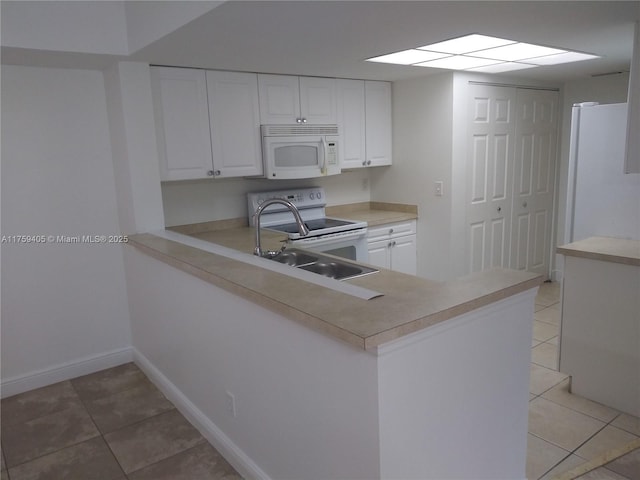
555 464
539 364
551 443
553 386
623 429
115 457
84 402
53 412
7 468
597 462
583 413
546 322
167 458
173 407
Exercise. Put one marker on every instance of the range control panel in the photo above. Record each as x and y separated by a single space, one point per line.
303 198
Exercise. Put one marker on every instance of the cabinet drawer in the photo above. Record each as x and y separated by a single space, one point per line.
391 230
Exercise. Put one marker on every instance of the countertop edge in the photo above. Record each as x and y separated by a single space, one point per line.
476 296
606 249
265 301
447 314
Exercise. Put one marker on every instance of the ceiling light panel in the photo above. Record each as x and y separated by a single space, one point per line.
481 53
407 57
517 51
468 43
566 57
502 67
457 62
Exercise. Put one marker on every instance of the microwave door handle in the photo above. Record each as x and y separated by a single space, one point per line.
323 169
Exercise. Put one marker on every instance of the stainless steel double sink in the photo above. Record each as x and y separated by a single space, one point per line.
327 266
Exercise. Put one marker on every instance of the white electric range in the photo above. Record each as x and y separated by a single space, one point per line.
336 236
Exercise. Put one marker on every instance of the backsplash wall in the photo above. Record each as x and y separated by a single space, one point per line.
198 201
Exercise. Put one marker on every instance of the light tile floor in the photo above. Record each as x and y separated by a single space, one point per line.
110 425
566 431
115 425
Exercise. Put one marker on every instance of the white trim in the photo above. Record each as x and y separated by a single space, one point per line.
65 371
229 450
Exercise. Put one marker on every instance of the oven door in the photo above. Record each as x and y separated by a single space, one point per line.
351 245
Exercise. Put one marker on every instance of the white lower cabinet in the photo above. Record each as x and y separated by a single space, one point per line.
393 246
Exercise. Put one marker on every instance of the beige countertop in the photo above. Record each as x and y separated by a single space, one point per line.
408 303
606 249
374 213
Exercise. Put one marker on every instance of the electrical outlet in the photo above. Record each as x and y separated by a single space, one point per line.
439 188
231 404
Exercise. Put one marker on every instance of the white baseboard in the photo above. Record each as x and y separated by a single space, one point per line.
229 450
65 371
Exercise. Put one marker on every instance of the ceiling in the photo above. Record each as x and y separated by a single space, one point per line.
308 37
333 38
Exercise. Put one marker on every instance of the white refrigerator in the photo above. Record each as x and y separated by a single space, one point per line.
601 199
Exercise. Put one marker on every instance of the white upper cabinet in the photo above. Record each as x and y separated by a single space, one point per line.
364 120
207 123
378 123
182 123
351 123
286 99
234 118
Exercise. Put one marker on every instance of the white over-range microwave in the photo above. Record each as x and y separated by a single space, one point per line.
300 151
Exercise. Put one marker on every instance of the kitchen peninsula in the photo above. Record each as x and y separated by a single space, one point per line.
293 380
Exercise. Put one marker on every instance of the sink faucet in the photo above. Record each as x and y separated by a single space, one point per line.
302 228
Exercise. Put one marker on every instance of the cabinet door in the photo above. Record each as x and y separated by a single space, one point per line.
318 100
351 123
379 253
378 122
182 122
279 99
235 123
403 254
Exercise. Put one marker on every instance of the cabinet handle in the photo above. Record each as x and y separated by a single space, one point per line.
304 120
216 173
298 120
524 204
368 162
499 209
210 173
390 231
393 244
364 163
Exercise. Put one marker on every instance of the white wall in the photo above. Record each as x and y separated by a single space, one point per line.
135 154
422 143
80 26
207 200
150 21
61 303
306 404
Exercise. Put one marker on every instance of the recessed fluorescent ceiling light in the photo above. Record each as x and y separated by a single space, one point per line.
517 51
469 43
502 67
457 62
408 57
482 53
560 58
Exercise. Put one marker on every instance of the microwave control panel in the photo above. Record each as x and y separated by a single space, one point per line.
332 152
